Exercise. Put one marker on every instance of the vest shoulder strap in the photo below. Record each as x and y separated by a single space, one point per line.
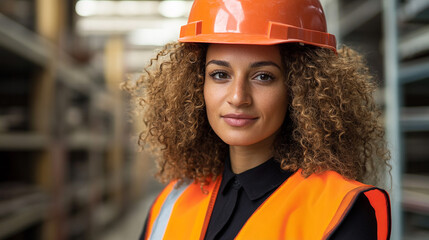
182 213
156 208
312 208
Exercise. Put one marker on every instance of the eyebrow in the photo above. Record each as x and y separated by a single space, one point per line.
264 63
253 65
219 62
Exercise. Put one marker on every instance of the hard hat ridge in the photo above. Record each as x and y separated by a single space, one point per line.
261 22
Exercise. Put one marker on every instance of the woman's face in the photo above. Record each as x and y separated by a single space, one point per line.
244 92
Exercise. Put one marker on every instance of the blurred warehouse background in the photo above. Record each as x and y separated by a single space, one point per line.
69 163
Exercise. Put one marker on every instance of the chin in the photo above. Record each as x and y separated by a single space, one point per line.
238 141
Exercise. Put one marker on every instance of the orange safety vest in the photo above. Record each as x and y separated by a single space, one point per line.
300 208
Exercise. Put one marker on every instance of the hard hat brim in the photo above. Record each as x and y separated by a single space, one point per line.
277 33
230 38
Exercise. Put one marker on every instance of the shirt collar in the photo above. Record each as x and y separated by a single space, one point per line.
256 181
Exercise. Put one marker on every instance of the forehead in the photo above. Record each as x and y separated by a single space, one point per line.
243 53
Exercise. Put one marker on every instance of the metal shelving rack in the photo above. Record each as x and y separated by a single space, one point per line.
85 176
412 81
396 34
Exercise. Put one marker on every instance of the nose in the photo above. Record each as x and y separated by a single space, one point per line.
240 92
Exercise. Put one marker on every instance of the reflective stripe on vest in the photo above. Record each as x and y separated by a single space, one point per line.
163 218
300 208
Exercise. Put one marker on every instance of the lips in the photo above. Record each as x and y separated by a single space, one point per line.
239 120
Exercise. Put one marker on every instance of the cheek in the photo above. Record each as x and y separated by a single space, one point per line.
210 99
207 97
275 106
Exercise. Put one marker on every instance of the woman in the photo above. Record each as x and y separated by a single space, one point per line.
264 130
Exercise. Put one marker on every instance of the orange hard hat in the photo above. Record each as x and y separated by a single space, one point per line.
262 22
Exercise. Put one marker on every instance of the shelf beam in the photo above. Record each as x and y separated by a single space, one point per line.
414 43
80 140
415 119
416 193
74 78
23 141
414 71
415 11
360 13
23 42
38 50
21 219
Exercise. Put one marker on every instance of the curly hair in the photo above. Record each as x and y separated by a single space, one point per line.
332 122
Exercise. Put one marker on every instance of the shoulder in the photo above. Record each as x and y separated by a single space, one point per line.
182 189
361 200
359 223
329 183
171 189
332 186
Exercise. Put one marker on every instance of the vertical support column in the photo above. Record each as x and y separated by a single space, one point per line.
114 72
50 18
51 163
142 162
393 104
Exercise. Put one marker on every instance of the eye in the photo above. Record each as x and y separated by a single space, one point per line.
219 75
264 77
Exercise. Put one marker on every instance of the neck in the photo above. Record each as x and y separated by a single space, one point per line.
246 157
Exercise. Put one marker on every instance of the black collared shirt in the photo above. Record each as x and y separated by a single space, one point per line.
241 194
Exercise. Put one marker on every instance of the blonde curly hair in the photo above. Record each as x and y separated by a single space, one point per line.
332 121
